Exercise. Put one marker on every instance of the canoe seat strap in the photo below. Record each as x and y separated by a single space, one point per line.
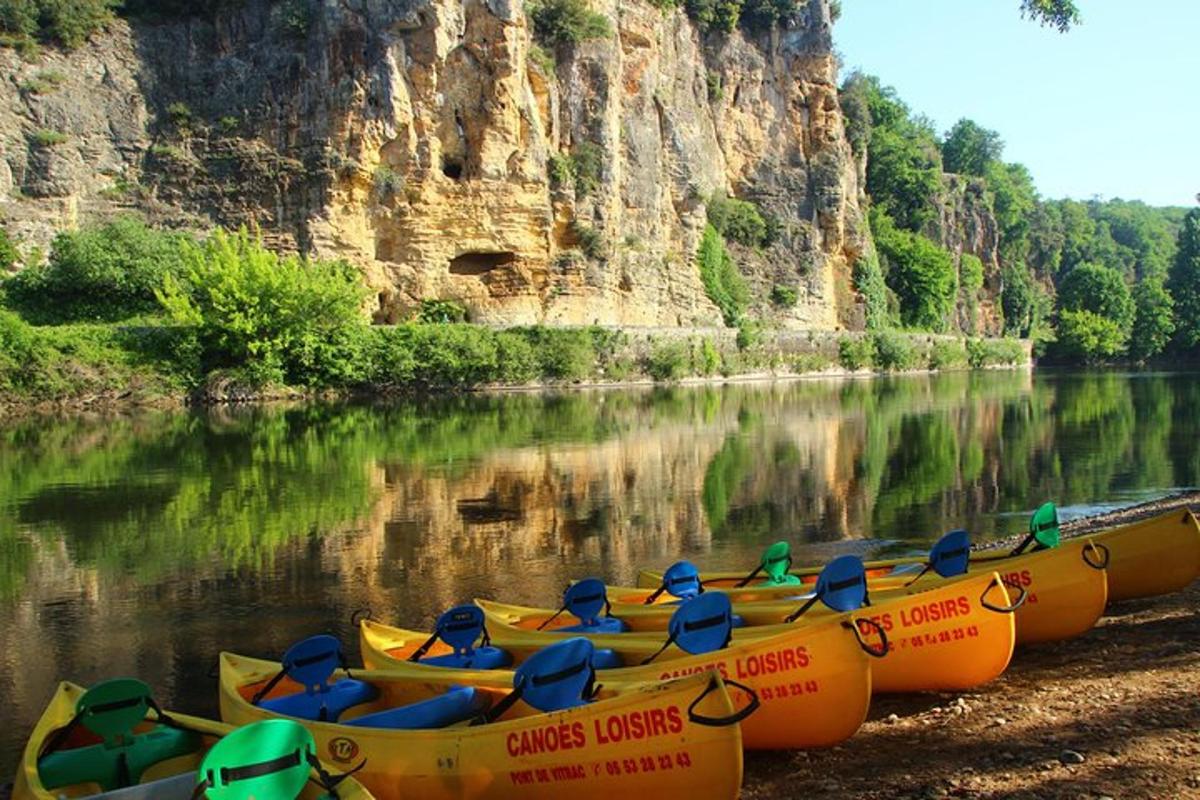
799 612
272 766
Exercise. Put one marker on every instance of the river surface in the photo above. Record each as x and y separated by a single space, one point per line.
144 543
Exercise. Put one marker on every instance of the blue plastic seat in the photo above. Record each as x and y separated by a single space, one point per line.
842 585
311 663
458 704
951 555
703 624
682 580
585 601
558 677
460 628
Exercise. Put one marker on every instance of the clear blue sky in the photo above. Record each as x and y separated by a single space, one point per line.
1111 108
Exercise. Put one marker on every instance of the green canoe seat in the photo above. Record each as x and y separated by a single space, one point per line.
112 710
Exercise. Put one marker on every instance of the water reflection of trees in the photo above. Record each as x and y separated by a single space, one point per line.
609 476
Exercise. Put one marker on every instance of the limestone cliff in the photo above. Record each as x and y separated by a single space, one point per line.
417 139
966 224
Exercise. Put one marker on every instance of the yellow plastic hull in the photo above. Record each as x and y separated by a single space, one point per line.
942 639
1067 595
814 681
1155 556
60 710
635 738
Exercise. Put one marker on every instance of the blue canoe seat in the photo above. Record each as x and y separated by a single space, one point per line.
606 658
460 628
458 704
842 585
311 663
952 554
558 677
703 624
587 601
682 580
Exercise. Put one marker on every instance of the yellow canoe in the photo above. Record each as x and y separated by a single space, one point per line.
167 780
634 738
1067 592
813 680
1155 556
956 636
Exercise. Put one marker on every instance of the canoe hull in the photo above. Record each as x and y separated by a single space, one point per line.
814 682
639 740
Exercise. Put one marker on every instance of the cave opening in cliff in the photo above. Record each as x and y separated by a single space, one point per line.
452 168
478 263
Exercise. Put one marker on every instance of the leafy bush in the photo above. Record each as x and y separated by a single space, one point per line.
66 22
45 137
715 15
583 167
811 362
970 281
591 241
784 296
760 15
893 351
719 274
856 353
543 59
668 360
516 360
944 354
9 255
922 275
738 220
567 22
289 319
567 354
715 91
749 334
433 311
1089 337
387 181
104 273
709 359
868 281
44 82
994 352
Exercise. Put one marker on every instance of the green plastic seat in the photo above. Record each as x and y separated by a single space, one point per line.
111 710
1043 526
272 758
776 561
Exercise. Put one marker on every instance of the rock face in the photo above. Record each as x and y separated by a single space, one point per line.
417 138
966 224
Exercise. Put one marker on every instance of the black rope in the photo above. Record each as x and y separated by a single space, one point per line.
795 615
670 641
497 711
552 617
266 689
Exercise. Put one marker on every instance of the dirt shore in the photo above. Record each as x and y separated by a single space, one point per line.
1114 713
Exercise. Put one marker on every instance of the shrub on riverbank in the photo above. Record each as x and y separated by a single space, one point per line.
994 353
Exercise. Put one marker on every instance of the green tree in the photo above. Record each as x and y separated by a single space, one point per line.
921 273
1088 336
1060 14
969 148
1017 300
1185 283
566 22
1153 323
65 22
1014 199
1100 290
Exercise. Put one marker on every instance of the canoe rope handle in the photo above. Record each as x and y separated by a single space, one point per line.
1020 601
357 617
744 581
732 719
878 651
1101 550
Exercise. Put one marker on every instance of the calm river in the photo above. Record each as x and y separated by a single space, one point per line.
145 543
